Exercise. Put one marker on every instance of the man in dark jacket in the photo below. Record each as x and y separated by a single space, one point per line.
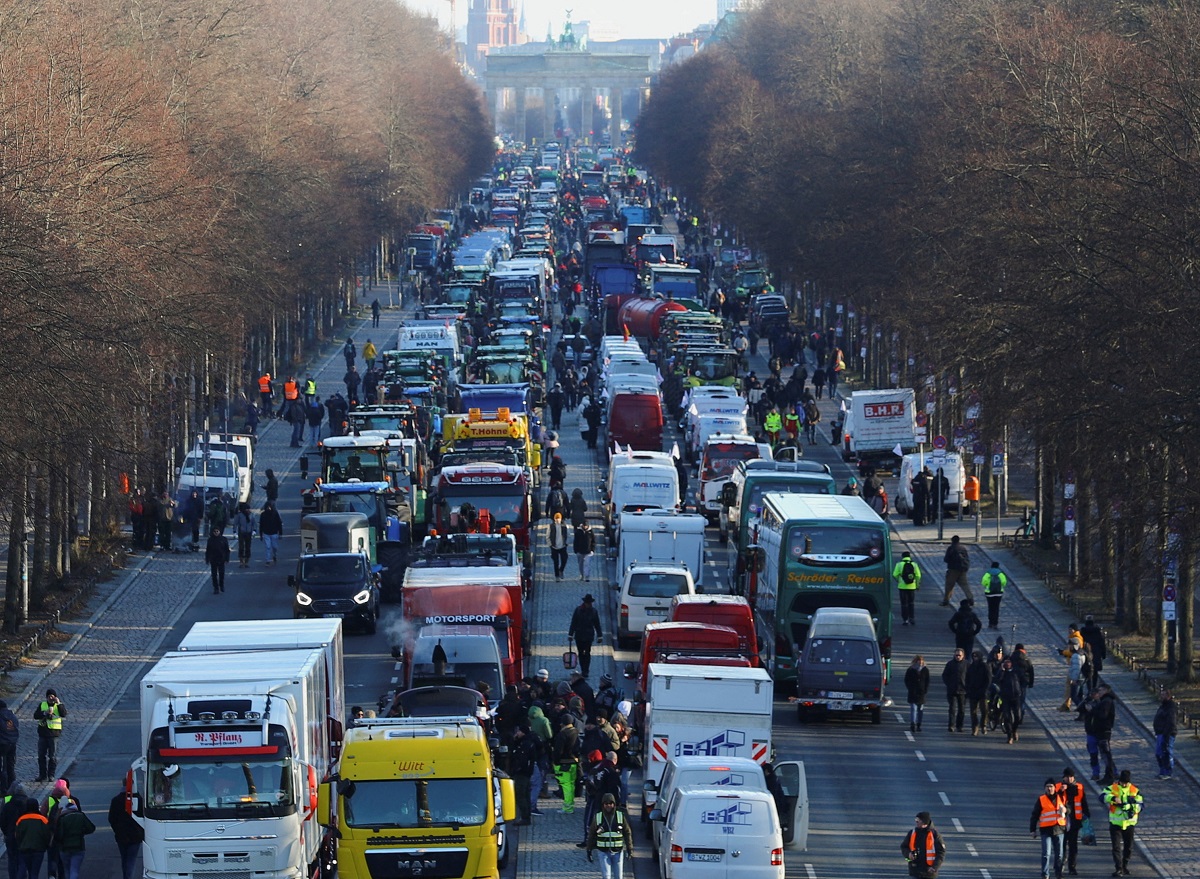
127 833
923 848
592 415
1102 706
958 562
1011 687
15 805
965 624
584 621
1093 636
1166 727
524 754
954 676
979 680
216 553
10 733
555 399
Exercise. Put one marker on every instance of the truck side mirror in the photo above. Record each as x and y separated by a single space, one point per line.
728 494
304 466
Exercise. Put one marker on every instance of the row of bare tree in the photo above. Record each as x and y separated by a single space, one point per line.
1014 188
185 187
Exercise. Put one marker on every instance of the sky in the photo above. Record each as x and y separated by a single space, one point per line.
626 19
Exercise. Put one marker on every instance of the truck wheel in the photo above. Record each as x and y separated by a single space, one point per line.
877 715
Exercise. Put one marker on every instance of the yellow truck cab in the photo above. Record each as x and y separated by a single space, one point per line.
418 796
502 429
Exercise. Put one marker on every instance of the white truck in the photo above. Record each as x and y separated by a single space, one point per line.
240 444
876 423
704 711
213 473
663 537
239 728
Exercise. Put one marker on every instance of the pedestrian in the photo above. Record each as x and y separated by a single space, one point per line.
370 354
923 848
993 582
965 625
578 508
565 756
558 544
32 835
250 426
217 513
1093 636
51 808
851 489
818 381
916 681
1010 687
16 802
555 400
375 310
812 417
958 562
585 550
349 351
127 833
49 714
68 836
310 389
166 516
243 526
954 676
1166 727
216 553
295 416
907 575
558 470
352 380
592 415
523 757
149 520
1124 803
1075 797
266 391
1076 672
979 684
584 622
192 513
270 529
314 414
609 832
1049 822
271 486
10 733
773 424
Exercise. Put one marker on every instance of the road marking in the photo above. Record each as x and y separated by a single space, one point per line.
811 871
985 873
957 824
899 717
945 799
395 680
920 755
971 849
932 777
908 735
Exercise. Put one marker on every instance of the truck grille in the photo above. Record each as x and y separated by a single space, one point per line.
223 874
429 863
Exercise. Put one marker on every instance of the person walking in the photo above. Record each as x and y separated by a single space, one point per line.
578 508
916 681
555 399
592 415
295 416
314 414
10 734
49 714
585 550
1166 727
1099 718
375 310
773 424
70 829
1093 636
993 582
270 529
1049 822
127 833
1075 797
954 676
558 544
266 393
923 848
243 527
979 682
565 754
958 562
609 832
523 757
216 553
271 486
907 575
1124 803
370 354
310 389
32 834
1011 688
166 516
349 351
584 622
16 802
352 380
965 625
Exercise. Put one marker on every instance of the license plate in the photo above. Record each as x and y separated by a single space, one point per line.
839 706
332 616
837 695
704 856
656 611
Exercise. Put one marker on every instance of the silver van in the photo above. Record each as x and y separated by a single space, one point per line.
840 668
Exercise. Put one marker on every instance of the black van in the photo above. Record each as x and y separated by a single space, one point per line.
840 668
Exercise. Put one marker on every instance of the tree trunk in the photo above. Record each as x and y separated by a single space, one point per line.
38 581
1108 550
16 593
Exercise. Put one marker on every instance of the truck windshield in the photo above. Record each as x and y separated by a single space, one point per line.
504 509
714 367
367 504
206 788
657 584
221 468
837 547
410 803
342 465
327 570
721 458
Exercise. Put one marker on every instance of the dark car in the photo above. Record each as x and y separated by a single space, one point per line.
337 584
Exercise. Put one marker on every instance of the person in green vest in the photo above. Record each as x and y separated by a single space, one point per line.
772 424
994 580
609 832
1124 803
49 715
907 574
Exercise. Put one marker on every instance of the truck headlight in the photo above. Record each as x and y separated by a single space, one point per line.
303 600
363 597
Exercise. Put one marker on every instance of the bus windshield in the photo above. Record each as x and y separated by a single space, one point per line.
836 546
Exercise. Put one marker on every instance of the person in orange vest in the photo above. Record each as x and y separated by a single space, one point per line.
923 848
291 389
266 390
1075 797
1049 821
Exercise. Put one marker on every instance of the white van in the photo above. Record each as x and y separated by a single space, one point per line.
720 834
645 597
734 772
910 465
707 424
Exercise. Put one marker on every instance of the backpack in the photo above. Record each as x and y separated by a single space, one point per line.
908 574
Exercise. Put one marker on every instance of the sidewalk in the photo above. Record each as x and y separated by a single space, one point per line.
128 618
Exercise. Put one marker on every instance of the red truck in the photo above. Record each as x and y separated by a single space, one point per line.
501 490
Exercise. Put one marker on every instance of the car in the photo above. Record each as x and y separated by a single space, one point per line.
337 584
646 591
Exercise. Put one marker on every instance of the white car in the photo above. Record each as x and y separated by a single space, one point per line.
646 593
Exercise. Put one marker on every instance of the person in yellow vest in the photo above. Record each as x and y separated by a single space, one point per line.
923 848
49 715
609 832
370 353
907 575
772 424
266 390
310 390
994 580
1124 803
1049 821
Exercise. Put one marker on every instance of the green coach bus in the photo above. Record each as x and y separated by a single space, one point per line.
817 551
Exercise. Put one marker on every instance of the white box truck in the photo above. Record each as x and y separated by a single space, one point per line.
704 711
664 537
877 422
235 744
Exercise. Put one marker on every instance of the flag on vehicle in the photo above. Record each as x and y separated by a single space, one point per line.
625 327
675 451
898 452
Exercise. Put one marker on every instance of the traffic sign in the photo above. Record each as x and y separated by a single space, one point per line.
922 419
997 462
1169 592
939 442
1168 610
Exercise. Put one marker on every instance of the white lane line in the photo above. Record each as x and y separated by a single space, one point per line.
932 777
920 756
945 799
957 824
985 873
811 871
909 736
899 717
971 849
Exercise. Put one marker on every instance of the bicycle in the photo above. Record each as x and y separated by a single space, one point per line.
1028 528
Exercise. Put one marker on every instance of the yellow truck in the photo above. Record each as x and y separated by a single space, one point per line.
418 797
477 435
